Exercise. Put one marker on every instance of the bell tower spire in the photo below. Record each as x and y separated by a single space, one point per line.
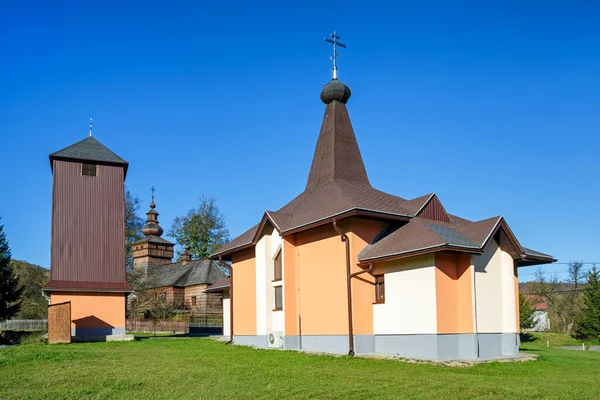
152 251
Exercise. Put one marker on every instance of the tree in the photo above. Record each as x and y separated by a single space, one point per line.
563 298
525 312
32 279
588 322
10 291
133 225
143 297
202 228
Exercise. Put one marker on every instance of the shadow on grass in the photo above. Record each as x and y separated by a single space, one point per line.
528 337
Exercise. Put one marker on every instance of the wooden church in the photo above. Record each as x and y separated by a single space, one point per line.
87 267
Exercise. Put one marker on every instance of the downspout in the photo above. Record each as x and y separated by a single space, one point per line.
346 241
230 303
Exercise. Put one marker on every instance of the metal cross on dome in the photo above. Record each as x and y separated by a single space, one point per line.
152 189
335 44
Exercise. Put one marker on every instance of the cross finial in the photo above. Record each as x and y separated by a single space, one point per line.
152 189
335 55
90 127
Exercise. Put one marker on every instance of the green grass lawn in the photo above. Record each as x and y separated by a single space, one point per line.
204 368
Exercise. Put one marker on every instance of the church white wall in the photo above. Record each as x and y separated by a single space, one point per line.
410 298
267 320
226 314
495 295
509 306
277 320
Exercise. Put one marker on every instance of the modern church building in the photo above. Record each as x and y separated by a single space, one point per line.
345 268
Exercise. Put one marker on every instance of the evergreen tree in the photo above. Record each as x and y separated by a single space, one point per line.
32 279
525 312
588 322
10 292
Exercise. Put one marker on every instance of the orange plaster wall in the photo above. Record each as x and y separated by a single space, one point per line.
88 308
322 302
453 293
363 290
291 290
244 292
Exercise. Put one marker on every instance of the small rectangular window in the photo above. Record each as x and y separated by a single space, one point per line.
88 169
277 273
193 300
163 296
379 289
278 298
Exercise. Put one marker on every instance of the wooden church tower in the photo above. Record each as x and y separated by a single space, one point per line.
88 239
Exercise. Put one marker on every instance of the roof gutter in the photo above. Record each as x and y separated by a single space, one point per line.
346 241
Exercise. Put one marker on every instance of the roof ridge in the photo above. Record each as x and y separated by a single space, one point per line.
343 191
425 224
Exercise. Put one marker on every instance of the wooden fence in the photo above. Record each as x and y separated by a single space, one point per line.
149 325
211 321
24 325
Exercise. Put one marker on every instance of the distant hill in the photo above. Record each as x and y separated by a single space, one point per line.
32 278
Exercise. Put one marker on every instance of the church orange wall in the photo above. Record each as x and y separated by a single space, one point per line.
362 232
320 267
244 292
91 310
453 293
290 282
322 302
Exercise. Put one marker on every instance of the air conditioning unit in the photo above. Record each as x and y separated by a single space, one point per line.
276 339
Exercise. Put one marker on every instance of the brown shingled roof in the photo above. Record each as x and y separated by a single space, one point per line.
338 187
337 184
421 236
219 286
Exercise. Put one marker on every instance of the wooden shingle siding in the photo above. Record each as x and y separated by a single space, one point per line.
88 224
434 211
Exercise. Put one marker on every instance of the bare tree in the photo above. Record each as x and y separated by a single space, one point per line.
142 299
562 297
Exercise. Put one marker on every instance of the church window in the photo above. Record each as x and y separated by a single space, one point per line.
277 271
163 296
193 300
278 298
88 169
379 289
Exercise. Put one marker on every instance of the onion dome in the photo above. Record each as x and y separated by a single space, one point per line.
335 91
152 228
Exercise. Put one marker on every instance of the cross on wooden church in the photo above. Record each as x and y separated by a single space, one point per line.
335 43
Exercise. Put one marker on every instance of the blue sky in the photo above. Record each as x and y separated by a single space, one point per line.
495 107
